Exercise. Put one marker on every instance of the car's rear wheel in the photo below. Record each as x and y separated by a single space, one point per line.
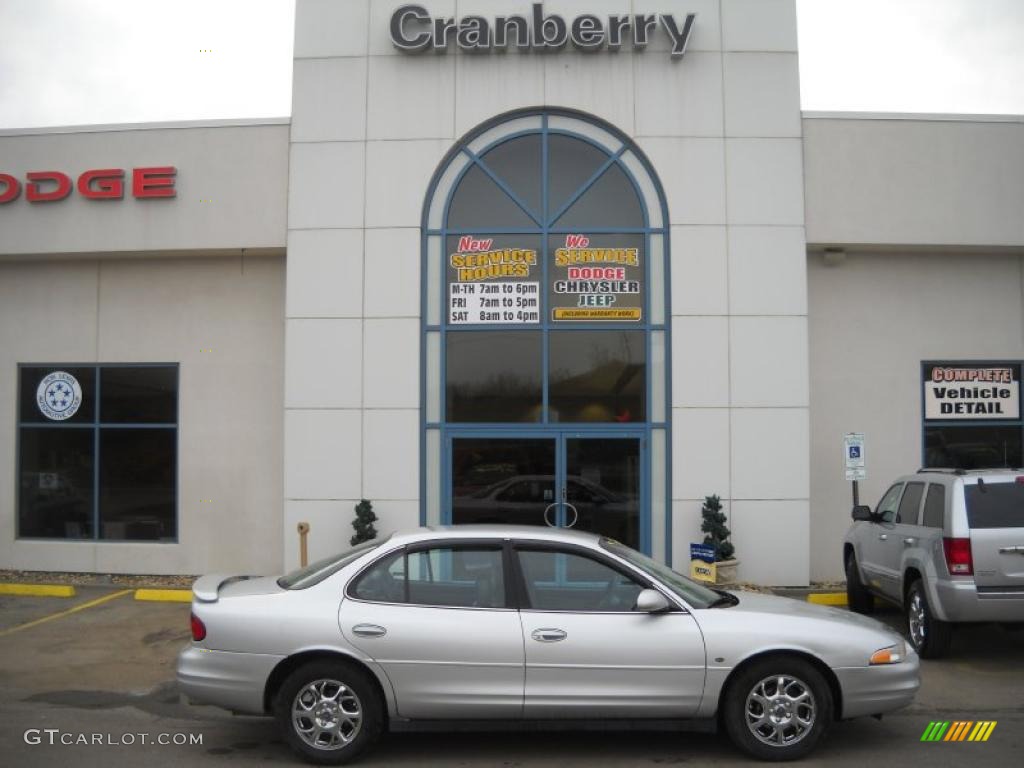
777 708
929 636
858 597
329 712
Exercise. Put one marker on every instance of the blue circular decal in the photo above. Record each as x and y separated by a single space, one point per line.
59 395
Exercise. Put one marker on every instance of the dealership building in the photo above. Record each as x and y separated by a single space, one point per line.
574 264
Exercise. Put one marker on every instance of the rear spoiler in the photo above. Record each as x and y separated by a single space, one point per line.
206 589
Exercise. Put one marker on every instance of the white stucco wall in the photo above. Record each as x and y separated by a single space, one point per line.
722 128
221 319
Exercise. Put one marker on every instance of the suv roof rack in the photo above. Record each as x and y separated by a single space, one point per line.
959 471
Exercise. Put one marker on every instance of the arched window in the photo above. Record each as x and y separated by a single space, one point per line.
545 331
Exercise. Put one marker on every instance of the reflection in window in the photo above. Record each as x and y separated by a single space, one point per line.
973 447
597 376
494 376
55 483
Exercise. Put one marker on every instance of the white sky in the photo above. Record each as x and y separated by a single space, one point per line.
68 62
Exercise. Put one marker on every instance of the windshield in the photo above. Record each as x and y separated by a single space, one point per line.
316 572
693 593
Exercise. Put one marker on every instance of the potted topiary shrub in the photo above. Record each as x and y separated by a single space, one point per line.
363 523
717 536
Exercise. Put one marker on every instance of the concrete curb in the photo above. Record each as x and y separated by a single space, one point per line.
37 590
164 595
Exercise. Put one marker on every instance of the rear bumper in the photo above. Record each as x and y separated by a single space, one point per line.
235 681
879 689
960 601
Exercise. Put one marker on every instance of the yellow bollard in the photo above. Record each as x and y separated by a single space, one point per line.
303 554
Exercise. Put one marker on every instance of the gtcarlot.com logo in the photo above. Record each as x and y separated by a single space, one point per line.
53 736
959 730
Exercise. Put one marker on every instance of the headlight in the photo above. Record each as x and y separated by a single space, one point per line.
893 654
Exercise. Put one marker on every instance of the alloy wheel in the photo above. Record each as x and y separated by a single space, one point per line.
780 710
327 714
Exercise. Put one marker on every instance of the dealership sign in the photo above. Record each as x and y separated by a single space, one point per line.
98 184
955 391
413 30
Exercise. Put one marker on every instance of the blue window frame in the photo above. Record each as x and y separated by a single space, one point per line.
515 214
97 451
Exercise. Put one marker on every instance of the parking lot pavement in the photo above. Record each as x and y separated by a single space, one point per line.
108 670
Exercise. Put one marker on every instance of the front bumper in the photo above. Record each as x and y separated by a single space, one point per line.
879 689
961 601
235 681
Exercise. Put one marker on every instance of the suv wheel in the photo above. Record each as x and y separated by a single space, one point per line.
329 712
857 595
929 636
777 708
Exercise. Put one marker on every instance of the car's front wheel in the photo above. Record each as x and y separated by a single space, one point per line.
929 636
858 598
777 708
329 712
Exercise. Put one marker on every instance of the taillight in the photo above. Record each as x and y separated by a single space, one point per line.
958 556
198 628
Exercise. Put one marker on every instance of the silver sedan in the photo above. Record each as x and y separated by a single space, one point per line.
521 624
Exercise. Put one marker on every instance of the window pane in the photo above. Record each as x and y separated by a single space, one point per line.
503 480
571 163
57 394
493 279
596 277
137 484
479 203
597 376
972 447
910 503
494 376
934 506
610 202
465 578
517 163
887 506
56 483
995 505
139 395
563 581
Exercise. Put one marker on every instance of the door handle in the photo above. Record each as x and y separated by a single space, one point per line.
883 537
548 635
369 630
1010 550
909 541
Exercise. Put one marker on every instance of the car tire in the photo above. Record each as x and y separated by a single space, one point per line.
801 708
858 598
929 636
348 703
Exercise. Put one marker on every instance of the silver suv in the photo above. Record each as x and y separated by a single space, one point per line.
947 546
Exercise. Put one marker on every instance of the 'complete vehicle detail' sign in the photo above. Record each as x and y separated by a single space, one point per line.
954 391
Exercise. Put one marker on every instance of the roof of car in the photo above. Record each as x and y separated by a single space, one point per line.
968 475
496 531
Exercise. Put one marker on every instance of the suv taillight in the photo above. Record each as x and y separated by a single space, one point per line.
958 556
198 628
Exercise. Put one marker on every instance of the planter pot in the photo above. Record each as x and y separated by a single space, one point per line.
725 571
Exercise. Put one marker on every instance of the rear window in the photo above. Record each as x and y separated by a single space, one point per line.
995 505
316 572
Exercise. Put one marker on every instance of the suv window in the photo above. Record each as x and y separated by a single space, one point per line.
910 503
995 505
934 506
567 581
886 509
446 576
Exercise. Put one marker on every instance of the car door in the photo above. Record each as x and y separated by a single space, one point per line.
874 538
436 618
902 533
589 654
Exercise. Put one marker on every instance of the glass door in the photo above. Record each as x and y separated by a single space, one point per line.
587 481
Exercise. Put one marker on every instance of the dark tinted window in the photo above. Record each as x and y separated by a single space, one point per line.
934 506
566 581
479 202
910 503
974 447
571 163
611 202
597 376
57 394
55 494
138 484
144 395
462 577
517 162
995 505
494 376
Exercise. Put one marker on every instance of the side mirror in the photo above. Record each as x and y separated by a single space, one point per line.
651 601
862 512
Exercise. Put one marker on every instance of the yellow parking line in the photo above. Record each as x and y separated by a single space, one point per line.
827 598
52 616
164 595
37 590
